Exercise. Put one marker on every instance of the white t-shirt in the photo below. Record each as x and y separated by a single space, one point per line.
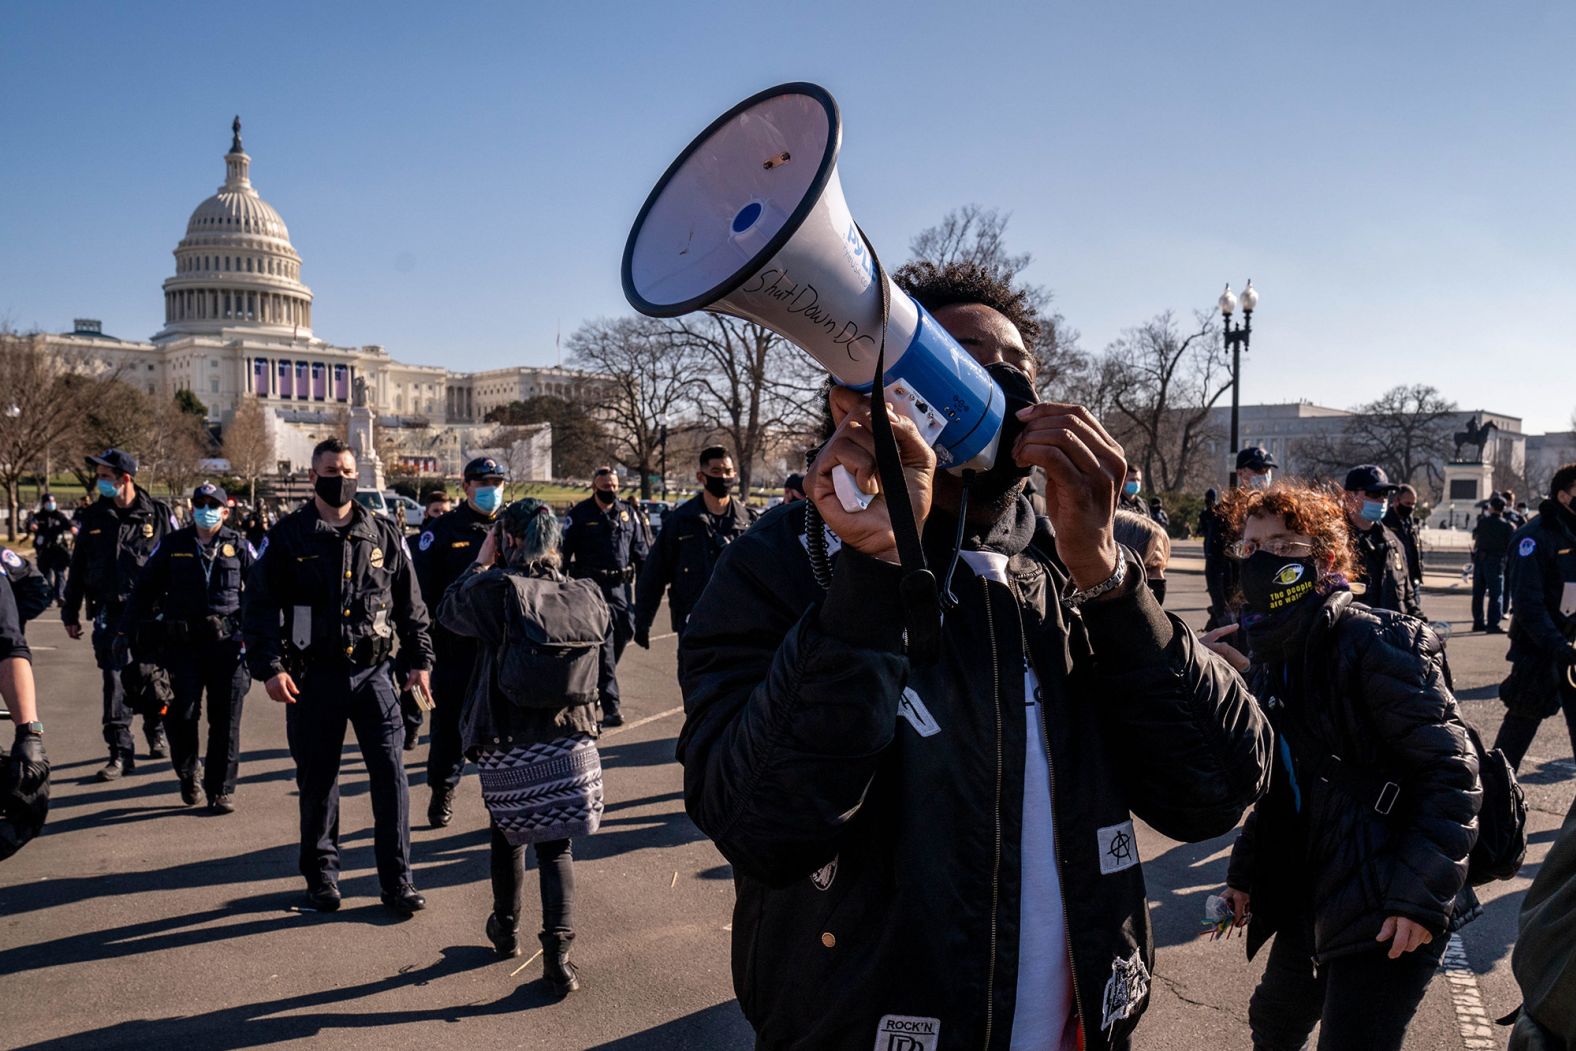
1045 1018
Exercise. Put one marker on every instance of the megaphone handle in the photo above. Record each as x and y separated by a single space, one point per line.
849 494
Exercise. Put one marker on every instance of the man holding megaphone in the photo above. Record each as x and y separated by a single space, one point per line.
917 863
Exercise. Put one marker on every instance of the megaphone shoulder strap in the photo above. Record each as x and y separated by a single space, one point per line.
921 601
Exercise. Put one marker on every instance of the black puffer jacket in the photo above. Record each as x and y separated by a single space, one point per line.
872 808
1370 687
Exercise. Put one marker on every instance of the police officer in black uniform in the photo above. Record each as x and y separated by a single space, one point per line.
1383 559
445 548
1490 548
330 589
24 773
693 535
118 533
1543 632
605 541
52 535
187 608
1401 519
32 591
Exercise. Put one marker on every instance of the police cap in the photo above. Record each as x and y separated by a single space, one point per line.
117 460
1255 458
209 491
1369 478
485 467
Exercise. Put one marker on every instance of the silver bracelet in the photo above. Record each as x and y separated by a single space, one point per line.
1111 583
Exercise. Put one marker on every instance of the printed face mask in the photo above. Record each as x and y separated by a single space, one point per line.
1272 583
489 498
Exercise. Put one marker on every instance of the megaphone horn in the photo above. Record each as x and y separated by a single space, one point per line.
750 220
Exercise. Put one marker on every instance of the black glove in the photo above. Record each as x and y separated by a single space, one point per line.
24 793
643 638
120 651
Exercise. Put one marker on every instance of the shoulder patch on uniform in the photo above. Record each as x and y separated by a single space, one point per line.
1125 990
1528 545
11 558
908 1033
1118 847
426 540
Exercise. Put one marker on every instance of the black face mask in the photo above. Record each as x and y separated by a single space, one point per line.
1158 589
1403 511
1272 584
718 487
991 486
334 490
606 497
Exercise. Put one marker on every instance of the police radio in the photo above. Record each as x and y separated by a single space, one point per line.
750 221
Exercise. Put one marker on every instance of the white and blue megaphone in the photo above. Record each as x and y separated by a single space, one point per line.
750 220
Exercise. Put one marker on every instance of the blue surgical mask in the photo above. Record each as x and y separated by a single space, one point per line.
107 488
49 505
488 498
1130 488
1373 510
208 517
1258 481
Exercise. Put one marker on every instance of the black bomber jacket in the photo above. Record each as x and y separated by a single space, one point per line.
871 806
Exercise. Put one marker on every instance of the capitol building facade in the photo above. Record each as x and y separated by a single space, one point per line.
238 323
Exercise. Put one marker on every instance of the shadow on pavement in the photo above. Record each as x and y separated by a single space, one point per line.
656 752
719 1026
254 1025
1174 914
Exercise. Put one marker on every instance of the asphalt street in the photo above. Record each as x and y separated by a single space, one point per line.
135 920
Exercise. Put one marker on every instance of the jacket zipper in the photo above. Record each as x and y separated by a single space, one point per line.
995 875
1056 834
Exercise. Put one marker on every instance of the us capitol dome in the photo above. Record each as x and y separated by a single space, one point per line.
238 324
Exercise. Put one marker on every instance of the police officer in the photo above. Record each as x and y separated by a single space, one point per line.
117 534
1401 519
1389 583
52 535
605 542
1216 534
24 774
1542 654
445 548
1129 500
1255 467
1490 547
32 591
693 535
187 603
331 587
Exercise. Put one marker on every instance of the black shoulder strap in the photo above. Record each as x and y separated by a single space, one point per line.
921 600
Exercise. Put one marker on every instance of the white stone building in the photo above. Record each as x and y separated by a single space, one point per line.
238 322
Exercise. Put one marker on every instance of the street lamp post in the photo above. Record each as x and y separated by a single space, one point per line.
662 445
1236 338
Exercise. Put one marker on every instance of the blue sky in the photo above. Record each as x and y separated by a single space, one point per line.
459 179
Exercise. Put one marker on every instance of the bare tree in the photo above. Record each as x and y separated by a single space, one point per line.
1407 430
650 380
580 445
177 443
42 400
1162 384
978 235
248 445
750 384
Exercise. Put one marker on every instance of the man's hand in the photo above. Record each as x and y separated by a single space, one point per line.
1240 902
29 748
643 638
1234 657
1084 470
487 554
74 630
419 677
282 688
1403 935
853 445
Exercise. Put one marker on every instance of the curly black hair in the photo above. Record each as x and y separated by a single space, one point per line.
955 283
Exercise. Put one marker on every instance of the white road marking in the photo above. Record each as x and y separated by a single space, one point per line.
642 722
1477 1028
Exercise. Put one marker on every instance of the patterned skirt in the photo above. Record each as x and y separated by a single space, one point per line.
543 792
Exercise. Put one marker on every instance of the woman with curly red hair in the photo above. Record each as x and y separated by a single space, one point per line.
1360 894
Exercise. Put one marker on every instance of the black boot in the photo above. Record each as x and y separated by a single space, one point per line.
191 795
562 978
112 770
503 930
159 743
441 810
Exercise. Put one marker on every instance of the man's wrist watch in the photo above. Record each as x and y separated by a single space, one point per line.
1083 595
34 729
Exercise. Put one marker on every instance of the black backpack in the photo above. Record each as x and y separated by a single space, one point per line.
552 638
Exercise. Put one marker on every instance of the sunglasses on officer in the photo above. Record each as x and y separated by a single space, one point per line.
212 504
